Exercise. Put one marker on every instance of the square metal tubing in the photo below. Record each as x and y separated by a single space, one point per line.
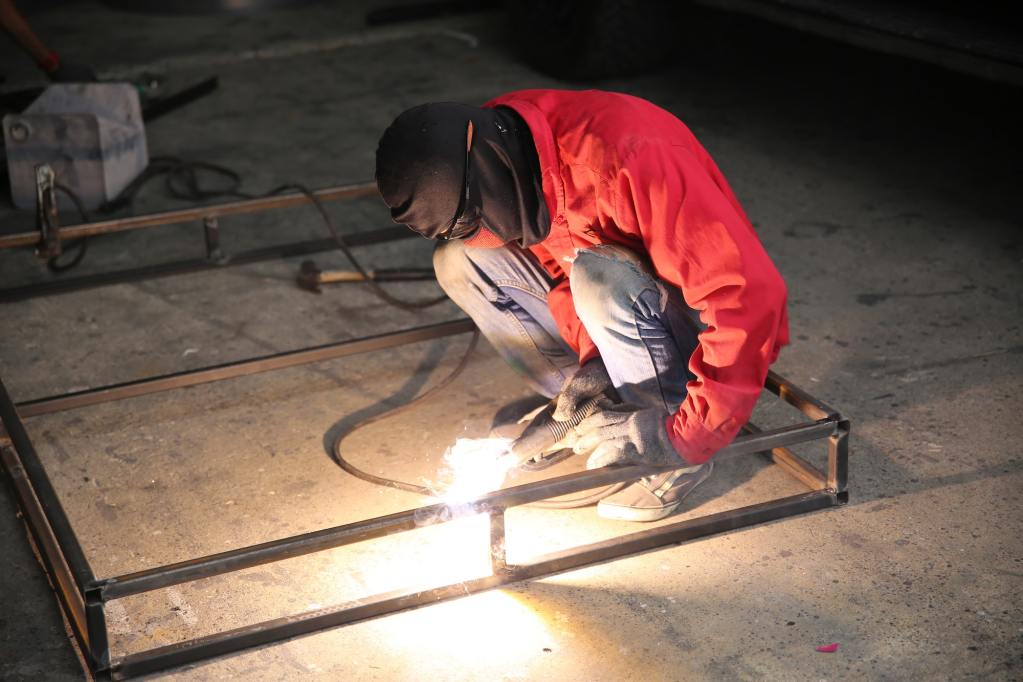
83 596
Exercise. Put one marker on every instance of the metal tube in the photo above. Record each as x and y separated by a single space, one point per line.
195 213
48 501
838 459
797 397
794 465
231 370
492 503
190 265
282 628
498 549
680 531
201 648
48 548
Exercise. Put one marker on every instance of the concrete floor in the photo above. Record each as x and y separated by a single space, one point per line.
885 190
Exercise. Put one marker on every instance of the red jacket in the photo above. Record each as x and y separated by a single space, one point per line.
618 169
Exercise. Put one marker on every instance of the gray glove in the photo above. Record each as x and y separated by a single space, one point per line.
589 381
625 434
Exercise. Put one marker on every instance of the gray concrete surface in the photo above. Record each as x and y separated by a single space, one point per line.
886 192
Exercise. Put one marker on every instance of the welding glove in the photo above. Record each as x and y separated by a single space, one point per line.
589 381
626 434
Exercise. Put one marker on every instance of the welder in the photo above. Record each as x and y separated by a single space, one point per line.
600 250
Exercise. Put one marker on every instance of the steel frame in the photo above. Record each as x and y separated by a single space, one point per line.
83 596
50 235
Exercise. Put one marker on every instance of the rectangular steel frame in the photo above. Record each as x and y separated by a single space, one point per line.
83 596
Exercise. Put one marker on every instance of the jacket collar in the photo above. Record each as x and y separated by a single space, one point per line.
547 151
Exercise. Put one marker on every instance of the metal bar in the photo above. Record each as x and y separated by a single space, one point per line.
498 543
231 370
797 397
96 620
794 465
270 631
191 265
48 501
838 459
282 628
492 503
46 543
679 531
190 214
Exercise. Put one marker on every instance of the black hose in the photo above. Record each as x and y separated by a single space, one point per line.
346 465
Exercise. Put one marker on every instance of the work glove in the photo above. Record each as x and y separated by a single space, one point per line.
626 434
589 381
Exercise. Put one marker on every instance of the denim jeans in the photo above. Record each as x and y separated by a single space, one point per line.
642 327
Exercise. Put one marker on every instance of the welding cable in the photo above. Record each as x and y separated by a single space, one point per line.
346 465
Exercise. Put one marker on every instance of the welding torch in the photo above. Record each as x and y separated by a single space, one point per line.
539 446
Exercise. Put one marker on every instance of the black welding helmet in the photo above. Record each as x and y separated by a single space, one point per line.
452 171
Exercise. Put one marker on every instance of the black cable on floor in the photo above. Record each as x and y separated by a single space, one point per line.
346 465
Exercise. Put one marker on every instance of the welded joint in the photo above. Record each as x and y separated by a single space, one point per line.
838 459
96 622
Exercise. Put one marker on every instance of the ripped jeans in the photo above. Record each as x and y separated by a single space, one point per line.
642 327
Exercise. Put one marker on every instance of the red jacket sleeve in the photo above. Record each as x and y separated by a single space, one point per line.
699 239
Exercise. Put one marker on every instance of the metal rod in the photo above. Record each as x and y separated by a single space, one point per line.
680 531
44 492
231 370
794 465
282 628
191 265
194 213
838 458
46 544
96 620
498 549
797 397
492 503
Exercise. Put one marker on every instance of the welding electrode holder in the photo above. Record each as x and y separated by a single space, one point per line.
533 449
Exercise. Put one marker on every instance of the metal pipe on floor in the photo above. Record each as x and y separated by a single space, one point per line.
240 368
49 503
194 213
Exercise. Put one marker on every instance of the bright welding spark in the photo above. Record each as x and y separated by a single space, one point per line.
474 466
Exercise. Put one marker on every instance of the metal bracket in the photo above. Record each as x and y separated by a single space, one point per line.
211 230
47 216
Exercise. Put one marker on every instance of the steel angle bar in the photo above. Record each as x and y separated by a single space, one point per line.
194 213
192 265
231 370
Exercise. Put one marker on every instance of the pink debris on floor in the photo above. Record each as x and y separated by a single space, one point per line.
828 648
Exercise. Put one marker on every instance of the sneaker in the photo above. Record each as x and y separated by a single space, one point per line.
653 498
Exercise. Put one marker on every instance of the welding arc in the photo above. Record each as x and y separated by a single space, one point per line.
339 458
